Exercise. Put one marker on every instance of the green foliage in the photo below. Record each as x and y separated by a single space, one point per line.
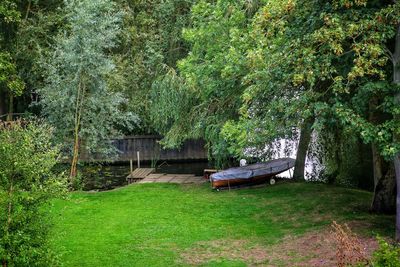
9 79
26 31
256 72
355 113
387 255
76 91
240 74
151 43
345 158
27 185
8 75
9 11
210 76
171 98
317 59
42 22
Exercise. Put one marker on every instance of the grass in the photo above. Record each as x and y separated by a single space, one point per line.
154 224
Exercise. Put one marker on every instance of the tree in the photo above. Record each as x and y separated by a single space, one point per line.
369 75
76 98
277 102
151 43
27 185
313 58
396 80
10 82
27 28
207 84
41 21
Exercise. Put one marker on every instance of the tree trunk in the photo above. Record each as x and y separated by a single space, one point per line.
75 151
28 9
383 200
75 157
385 194
304 142
374 118
397 171
2 102
10 107
376 164
378 173
77 126
396 80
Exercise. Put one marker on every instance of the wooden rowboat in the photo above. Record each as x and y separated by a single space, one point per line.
250 174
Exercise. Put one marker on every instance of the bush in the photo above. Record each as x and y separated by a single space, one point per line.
27 185
387 255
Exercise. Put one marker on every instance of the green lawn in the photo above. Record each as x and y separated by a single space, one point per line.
158 224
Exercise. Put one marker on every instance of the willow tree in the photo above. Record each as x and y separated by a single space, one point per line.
76 98
151 42
205 92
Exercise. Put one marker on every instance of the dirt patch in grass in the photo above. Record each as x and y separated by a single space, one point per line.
225 249
313 249
316 248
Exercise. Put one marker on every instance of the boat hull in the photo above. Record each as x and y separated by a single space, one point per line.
251 174
241 182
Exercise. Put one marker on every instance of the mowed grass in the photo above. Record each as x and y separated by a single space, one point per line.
154 224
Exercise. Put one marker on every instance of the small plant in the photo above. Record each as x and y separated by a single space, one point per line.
78 183
386 255
349 249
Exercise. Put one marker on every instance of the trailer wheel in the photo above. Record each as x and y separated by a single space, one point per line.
272 181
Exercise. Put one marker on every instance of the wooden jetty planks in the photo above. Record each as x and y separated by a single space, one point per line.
138 174
146 175
173 179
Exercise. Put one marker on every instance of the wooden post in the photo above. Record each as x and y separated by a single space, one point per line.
131 164
138 159
129 178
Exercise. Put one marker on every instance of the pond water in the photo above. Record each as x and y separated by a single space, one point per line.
109 176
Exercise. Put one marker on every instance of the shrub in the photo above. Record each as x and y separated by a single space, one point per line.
386 255
27 185
349 250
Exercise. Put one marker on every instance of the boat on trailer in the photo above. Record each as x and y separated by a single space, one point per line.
251 174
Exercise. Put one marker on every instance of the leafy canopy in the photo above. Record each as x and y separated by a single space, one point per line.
76 82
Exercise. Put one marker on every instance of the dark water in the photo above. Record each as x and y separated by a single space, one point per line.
108 176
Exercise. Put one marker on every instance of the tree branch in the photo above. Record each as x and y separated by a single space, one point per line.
28 9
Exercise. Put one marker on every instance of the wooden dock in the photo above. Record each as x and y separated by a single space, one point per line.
147 175
139 174
173 178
